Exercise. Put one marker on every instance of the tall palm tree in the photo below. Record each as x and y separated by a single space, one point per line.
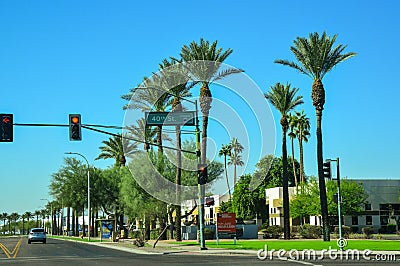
9 218
235 158
206 70
292 136
284 99
302 132
115 148
3 217
37 214
226 151
316 56
28 216
14 217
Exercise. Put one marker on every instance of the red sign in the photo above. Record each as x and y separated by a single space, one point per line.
226 222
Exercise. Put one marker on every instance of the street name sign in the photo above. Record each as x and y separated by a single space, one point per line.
170 118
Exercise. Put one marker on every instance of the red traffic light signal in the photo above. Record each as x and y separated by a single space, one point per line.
75 133
202 174
6 127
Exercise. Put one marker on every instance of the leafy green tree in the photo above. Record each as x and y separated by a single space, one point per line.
284 99
206 73
226 151
316 56
308 203
28 215
235 158
248 204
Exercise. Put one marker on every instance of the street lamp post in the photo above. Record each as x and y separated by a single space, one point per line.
339 202
88 189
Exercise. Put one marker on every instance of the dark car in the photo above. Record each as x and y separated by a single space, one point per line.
37 235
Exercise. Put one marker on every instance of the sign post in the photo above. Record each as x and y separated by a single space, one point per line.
226 223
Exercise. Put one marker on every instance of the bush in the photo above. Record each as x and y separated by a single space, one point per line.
368 231
295 231
154 234
356 236
273 231
391 228
311 231
209 233
135 234
345 231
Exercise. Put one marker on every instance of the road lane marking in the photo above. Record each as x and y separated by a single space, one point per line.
5 249
15 250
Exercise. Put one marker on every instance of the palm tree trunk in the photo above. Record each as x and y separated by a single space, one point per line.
234 174
286 218
293 164
322 187
178 222
227 180
301 160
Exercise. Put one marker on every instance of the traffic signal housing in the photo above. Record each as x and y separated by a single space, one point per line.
210 201
202 174
75 133
6 127
327 169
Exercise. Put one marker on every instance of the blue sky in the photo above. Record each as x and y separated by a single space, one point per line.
61 57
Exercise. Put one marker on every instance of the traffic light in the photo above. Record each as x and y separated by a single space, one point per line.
210 201
202 174
75 127
6 128
327 169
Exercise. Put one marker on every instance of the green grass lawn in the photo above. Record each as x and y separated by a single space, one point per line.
300 244
85 239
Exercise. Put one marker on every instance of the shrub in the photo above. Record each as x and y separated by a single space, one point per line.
368 231
135 234
345 231
295 231
274 231
209 233
356 236
154 234
391 228
311 231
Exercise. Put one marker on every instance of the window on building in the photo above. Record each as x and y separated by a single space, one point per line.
384 220
354 220
368 220
368 207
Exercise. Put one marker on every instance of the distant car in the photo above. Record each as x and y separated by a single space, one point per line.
37 235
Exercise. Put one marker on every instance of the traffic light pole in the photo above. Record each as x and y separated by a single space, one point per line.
339 201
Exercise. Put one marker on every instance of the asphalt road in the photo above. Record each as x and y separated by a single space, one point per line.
16 251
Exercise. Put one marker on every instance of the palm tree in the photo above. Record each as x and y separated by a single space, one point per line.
37 213
226 151
175 75
284 99
14 217
3 217
235 158
302 132
116 148
206 70
9 218
28 216
292 136
316 56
